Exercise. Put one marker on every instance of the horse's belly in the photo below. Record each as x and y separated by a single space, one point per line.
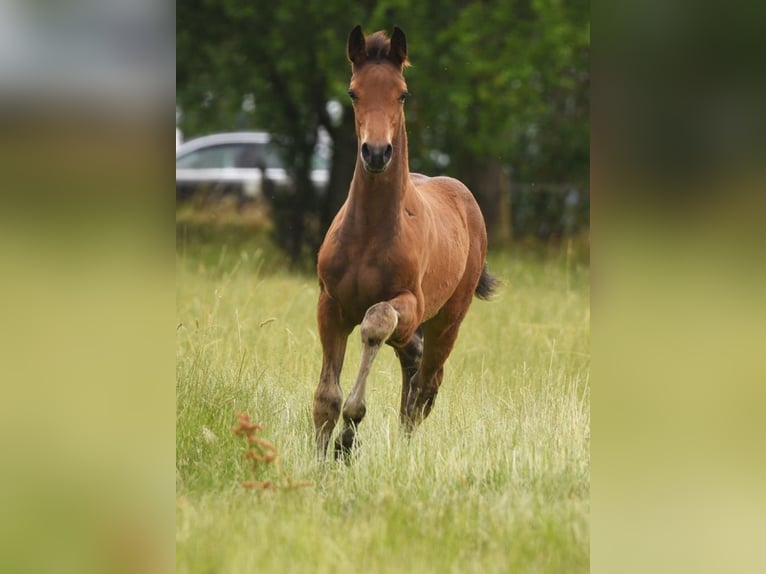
439 287
444 273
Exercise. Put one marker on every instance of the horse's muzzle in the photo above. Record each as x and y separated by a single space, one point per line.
376 157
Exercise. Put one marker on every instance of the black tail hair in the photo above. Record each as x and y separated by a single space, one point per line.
487 285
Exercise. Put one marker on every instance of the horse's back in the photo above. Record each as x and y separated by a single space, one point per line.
443 186
449 192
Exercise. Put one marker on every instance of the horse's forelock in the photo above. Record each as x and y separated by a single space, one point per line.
378 47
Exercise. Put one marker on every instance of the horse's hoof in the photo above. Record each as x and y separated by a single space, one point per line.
344 444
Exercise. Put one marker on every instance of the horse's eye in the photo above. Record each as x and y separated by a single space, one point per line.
352 95
403 96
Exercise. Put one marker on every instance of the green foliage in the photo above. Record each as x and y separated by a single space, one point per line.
494 84
485 71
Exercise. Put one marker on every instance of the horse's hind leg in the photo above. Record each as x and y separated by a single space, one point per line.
378 324
440 334
409 359
424 386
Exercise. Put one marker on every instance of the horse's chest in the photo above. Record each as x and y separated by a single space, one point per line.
358 282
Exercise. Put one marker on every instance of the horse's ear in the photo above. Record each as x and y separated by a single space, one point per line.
356 50
398 51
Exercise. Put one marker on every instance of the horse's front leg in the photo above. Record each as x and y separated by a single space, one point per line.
387 321
378 324
328 397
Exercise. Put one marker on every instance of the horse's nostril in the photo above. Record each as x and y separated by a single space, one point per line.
376 156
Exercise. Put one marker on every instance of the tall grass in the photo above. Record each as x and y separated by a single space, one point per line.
495 480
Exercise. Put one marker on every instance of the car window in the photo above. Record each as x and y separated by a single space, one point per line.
261 155
231 155
210 157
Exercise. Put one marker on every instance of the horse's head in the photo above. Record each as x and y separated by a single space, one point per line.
378 92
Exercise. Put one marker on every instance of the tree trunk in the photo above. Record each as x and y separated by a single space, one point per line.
344 149
290 208
488 181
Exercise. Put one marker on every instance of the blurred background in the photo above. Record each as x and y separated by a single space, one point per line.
86 251
499 99
86 247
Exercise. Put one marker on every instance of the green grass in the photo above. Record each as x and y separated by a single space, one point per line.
495 480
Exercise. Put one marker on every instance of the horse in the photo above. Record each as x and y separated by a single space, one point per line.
403 257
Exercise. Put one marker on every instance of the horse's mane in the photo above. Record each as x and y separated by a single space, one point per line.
378 45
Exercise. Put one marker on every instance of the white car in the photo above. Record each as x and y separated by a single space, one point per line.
235 163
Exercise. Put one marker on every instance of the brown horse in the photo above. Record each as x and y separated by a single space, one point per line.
403 257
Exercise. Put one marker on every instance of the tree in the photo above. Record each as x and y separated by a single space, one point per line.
514 92
277 53
494 84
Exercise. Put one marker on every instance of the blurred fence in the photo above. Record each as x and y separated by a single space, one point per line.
538 211
548 210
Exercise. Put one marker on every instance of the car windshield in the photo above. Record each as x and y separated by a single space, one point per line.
240 155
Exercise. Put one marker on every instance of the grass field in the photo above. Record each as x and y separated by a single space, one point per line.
495 480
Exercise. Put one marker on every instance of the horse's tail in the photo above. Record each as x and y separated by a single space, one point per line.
487 285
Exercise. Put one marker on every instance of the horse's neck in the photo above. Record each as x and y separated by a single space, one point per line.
376 200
